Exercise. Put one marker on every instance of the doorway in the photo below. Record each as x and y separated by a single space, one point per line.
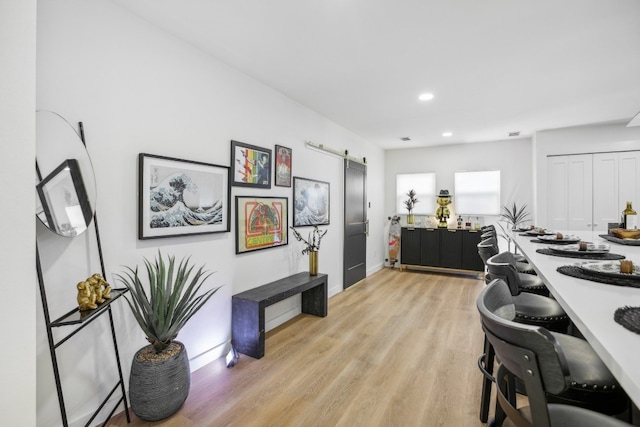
356 226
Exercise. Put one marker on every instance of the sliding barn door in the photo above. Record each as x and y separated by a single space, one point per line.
355 223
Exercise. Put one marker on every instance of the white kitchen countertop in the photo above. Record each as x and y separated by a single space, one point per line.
591 306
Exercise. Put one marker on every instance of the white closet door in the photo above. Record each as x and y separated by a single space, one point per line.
557 193
580 192
629 180
606 205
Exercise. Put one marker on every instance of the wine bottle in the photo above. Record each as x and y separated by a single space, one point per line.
630 218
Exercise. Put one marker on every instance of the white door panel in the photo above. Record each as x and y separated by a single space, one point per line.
580 192
589 191
629 180
606 207
557 189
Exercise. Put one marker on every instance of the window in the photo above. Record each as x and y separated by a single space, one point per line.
425 186
477 193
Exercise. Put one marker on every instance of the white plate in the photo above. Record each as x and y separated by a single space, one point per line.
565 239
610 269
592 249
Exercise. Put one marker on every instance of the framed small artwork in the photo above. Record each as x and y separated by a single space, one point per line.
310 202
64 201
283 166
181 197
250 165
261 223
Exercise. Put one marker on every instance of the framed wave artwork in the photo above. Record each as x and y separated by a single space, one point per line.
310 202
181 197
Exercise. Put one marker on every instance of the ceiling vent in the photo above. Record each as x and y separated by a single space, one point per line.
514 133
405 138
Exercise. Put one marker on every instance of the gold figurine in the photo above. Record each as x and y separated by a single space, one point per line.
93 291
86 297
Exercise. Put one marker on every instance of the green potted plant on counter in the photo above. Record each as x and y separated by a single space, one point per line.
514 216
410 204
160 375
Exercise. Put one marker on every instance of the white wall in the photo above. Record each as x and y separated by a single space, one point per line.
138 89
577 140
17 136
513 158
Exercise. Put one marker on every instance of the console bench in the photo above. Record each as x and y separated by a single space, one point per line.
247 308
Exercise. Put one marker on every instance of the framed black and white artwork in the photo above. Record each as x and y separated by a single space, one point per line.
310 202
181 197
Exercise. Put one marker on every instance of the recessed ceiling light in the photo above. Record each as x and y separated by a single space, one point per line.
405 138
514 133
426 97
447 134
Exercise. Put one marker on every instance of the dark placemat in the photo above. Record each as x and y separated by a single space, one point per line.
629 317
573 271
534 235
605 257
554 242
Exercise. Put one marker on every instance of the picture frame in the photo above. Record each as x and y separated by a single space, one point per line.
282 171
261 223
250 165
311 202
180 197
64 201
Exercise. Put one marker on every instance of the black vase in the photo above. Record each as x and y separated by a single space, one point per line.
157 389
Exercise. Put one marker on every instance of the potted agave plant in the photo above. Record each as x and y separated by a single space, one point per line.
312 246
160 375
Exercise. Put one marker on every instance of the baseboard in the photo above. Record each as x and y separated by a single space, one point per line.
375 268
281 318
198 361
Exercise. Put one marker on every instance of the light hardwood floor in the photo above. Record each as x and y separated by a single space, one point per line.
397 349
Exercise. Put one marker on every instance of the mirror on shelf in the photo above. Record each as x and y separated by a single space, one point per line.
65 189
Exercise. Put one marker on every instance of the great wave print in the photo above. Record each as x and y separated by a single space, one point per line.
178 202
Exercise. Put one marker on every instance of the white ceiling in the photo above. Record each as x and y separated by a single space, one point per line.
494 66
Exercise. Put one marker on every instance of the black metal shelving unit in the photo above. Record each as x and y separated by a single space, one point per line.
80 320
77 320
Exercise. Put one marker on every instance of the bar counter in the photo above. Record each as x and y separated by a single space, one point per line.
591 305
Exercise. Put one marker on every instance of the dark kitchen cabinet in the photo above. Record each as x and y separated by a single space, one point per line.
451 249
429 247
470 258
440 248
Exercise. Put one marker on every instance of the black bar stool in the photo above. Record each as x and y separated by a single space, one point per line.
553 367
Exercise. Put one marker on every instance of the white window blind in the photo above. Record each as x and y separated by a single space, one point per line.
425 186
477 193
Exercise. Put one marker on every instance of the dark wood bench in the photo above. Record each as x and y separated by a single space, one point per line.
247 308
